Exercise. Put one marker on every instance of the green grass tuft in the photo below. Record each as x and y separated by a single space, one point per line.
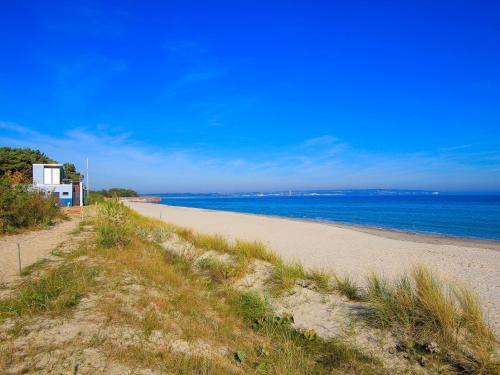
55 291
322 279
28 270
284 276
348 288
250 305
219 271
255 250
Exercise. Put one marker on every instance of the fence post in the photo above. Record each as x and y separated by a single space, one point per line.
19 256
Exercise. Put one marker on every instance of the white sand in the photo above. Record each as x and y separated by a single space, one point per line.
350 251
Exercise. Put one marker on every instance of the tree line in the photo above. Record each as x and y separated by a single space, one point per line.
19 162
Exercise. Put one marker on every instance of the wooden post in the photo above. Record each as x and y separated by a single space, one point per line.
19 256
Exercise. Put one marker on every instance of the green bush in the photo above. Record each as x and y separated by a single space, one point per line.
113 224
23 207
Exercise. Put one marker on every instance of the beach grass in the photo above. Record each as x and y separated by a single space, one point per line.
419 308
431 315
284 277
348 287
322 279
218 270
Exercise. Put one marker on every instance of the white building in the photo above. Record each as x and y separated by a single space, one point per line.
50 178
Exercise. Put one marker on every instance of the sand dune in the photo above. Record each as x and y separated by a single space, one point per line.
352 251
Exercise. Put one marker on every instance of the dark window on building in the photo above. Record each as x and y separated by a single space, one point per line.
65 194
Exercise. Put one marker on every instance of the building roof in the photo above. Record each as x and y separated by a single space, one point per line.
51 164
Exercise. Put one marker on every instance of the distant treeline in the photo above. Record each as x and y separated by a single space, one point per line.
98 195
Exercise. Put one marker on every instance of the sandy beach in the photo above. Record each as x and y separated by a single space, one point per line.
353 251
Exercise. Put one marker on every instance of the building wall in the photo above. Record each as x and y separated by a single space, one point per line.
38 174
65 190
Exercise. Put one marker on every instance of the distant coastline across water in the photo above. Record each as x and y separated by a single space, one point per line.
474 216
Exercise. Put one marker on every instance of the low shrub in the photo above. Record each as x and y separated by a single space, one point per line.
23 207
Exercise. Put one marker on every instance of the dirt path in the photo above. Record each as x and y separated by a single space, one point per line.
35 245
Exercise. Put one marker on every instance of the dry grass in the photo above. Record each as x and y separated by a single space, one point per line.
255 250
217 242
186 303
418 307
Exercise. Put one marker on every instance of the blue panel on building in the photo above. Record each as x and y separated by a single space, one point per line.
65 201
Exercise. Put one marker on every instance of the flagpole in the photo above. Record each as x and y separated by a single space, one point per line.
88 184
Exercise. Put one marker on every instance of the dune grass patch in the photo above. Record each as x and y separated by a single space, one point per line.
432 316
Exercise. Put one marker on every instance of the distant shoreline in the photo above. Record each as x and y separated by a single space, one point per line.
386 232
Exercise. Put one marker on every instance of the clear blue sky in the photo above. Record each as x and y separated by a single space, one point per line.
242 96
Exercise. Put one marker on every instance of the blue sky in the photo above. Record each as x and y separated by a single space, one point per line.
244 96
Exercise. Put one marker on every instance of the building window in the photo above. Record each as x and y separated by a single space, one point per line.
65 193
51 176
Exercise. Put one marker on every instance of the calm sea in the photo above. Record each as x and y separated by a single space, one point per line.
451 215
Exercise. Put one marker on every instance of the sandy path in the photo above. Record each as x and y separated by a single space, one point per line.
34 246
349 251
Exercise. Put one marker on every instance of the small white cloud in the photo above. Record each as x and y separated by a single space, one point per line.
319 141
